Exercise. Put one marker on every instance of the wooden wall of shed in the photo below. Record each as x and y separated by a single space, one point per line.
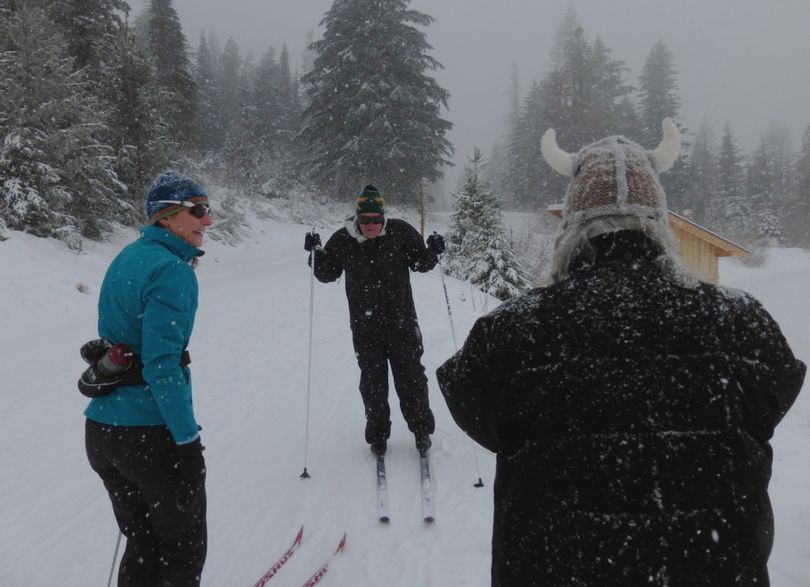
698 255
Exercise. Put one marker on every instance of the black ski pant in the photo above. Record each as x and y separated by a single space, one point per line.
139 467
402 348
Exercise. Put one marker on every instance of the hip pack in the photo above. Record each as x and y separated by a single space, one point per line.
103 376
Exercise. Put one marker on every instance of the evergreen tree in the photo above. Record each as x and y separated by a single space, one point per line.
90 28
798 219
659 99
583 91
374 112
629 121
701 195
141 28
768 185
583 96
240 153
167 47
289 102
658 92
210 132
308 57
57 176
501 161
731 213
495 171
528 178
477 247
230 84
267 97
138 133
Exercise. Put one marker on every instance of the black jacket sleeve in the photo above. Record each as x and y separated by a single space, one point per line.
470 388
770 390
419 257
328 266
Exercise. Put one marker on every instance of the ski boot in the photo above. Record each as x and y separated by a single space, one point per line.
423 442
378 447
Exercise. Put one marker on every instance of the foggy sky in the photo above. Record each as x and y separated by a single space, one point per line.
739 61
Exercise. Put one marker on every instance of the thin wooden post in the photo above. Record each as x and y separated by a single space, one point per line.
422 197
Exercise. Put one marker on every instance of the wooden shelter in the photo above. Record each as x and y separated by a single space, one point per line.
699 247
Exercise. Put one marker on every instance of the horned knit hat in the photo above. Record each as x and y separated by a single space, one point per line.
614 186
171 186
370 201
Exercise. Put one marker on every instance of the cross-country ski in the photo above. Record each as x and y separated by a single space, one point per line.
319 574
428 508
382 491
271 572
425 488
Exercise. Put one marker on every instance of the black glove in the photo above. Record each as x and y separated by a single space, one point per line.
435 242
94 383
93 350
312 240
191 466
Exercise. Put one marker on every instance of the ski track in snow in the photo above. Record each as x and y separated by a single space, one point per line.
249 352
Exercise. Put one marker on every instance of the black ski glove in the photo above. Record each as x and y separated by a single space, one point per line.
191 466
94 382
93 350
435 242
312 240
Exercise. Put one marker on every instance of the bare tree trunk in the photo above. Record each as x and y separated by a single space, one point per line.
422 198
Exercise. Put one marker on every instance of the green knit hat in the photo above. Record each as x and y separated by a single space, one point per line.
370 201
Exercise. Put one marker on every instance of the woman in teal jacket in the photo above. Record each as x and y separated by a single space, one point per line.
143 440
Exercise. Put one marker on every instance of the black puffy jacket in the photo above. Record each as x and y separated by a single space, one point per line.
631 416
378 282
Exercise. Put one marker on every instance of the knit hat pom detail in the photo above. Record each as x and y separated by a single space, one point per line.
370 201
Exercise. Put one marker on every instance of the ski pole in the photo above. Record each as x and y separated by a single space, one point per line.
115 557
447 303
480 482
305 475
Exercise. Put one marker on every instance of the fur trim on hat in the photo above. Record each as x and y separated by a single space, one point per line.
614 186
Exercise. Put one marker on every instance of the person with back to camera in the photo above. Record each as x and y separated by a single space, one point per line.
630 405
377 254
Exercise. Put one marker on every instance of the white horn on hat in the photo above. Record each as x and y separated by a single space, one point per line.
560 161
666 153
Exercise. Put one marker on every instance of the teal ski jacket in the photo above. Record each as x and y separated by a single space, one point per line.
148 301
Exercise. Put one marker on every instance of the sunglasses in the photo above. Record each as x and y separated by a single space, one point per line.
370 220
197 209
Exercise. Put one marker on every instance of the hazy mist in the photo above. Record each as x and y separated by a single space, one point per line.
739 61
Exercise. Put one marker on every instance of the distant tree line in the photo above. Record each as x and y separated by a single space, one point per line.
93 105
762 197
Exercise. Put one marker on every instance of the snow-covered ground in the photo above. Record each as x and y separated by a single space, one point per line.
250 370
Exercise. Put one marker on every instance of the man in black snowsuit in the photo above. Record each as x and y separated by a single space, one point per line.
630 405
377 254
